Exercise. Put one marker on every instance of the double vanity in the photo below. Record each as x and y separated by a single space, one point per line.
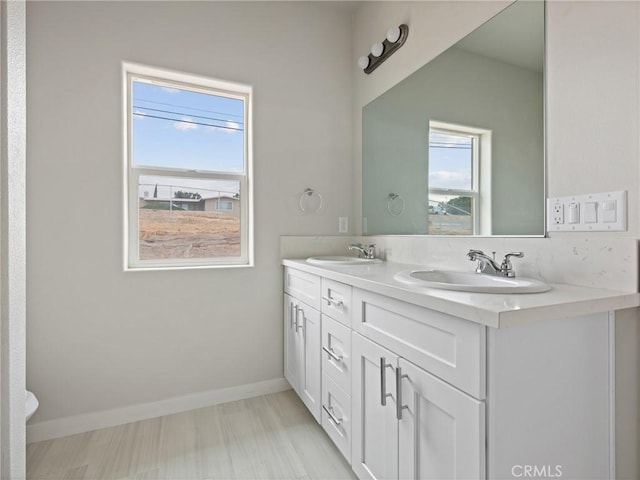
411 381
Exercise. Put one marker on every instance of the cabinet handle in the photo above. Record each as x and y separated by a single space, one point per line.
399 406
291 314
383 381
331 301
294 318
332 354
298 325
331 415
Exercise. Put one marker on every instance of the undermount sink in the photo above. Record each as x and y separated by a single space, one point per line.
471 282
341 260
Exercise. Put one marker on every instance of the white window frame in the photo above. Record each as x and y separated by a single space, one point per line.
132 261
480 173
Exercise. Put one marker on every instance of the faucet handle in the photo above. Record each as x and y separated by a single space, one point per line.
371 252
472 254
506 267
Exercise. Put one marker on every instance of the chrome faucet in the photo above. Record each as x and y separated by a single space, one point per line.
489 266
364 251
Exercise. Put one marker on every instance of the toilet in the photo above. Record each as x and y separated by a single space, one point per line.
31 404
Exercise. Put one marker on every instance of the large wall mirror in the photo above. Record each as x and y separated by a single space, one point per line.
457 148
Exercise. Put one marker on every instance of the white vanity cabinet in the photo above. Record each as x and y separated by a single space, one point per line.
302 366
406 390
408 423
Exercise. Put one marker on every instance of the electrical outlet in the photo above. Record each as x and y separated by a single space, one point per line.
558 214
343 224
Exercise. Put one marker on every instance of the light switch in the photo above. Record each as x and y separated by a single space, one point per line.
609 211
574 213
590 212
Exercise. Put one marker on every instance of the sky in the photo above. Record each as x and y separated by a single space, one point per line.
187 129
450 161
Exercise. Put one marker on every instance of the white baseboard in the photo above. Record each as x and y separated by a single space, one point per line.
86 422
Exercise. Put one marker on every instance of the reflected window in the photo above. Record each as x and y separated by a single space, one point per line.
455 201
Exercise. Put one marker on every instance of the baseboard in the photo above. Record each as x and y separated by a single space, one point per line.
87 422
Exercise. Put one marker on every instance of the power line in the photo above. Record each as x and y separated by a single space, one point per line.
189 108
181 113
187 121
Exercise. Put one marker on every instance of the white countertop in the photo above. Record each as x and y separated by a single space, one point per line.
493 310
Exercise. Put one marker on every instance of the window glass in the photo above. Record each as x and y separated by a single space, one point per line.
450 160
180 218
180 128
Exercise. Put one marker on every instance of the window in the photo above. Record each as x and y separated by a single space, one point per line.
456 204
224 205
188 170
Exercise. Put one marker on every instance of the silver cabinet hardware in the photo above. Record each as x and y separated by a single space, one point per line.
383 381
332 354
331 415
298 323
331 301
399 406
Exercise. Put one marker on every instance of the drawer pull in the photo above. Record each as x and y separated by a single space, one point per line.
298 323
332 416
332 354
331 301
399 406
383 381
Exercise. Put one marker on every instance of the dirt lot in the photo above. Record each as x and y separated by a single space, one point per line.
180 234
450 225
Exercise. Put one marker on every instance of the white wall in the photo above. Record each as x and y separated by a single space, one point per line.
99 338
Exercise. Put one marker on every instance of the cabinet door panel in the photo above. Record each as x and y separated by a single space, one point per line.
441 432
309 359
375 428
290 351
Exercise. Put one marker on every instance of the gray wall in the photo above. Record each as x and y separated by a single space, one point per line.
98 338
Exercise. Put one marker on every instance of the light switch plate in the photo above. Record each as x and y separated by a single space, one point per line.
595 212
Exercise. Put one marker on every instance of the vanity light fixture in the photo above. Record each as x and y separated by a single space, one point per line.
396 36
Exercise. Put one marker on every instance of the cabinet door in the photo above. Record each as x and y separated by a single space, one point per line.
290 349
309 363
441 430
375 428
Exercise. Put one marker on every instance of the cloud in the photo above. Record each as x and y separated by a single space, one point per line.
170 90
231 127
185 124
139 115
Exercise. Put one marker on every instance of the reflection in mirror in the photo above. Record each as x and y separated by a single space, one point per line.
461 140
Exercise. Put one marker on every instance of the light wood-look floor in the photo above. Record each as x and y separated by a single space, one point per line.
268 437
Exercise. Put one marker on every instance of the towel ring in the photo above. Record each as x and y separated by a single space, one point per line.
395 204
310 193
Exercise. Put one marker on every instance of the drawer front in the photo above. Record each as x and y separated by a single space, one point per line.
336 416
448 347
336 301
303 286
336 353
